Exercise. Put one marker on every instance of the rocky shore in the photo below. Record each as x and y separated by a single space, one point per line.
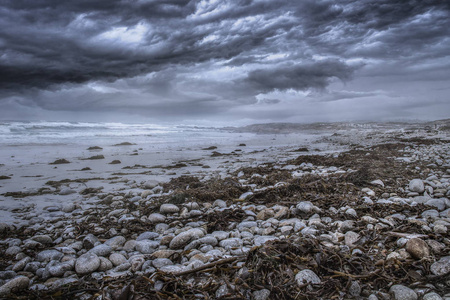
368 223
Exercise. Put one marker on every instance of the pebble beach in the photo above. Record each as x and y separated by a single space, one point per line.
344 211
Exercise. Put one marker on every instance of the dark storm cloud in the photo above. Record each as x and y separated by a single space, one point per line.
298 77
158 51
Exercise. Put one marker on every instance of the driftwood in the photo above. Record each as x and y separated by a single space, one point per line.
210 265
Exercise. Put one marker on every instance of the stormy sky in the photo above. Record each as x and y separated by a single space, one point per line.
225 62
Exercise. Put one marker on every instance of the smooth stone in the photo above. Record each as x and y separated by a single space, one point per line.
220 235
418 248
368 191
401 292
416 185
146 193
122 267
185 238
261 294
146 246
87 263
169 208
309 231
101 250
165 240
192 205
20 265
195 213
57 269
231 243
32 267
377 182
222 291
171 269
421 199
68 207
55 283
201 257
31 244
105 264
156 218
43 239
265 214
441 267
67 191
355 289
14 285
5 275
129 245
351 212
261 240
436 247
48 255
117 259
351 238
431 213
116 242
247 224
148 235
150 184
440 229
161 262
347 225
307 276
166 253
4 227
219 203
13 250
432 296
245 196
305 206
208 240
439 204
136 261
90 241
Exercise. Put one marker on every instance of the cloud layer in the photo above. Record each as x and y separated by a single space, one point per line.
248 60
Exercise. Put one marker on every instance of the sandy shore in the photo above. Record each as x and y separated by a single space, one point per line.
115 167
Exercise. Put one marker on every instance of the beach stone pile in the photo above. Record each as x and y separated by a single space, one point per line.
135 233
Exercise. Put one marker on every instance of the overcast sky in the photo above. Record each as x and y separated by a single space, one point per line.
224 62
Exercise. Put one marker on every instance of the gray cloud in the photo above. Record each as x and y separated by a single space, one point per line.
298 77
202 58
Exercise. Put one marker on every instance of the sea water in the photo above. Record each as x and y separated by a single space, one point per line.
18 133
31 141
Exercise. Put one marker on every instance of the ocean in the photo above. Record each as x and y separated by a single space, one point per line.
20 133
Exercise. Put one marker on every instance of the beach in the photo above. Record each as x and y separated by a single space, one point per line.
159 212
